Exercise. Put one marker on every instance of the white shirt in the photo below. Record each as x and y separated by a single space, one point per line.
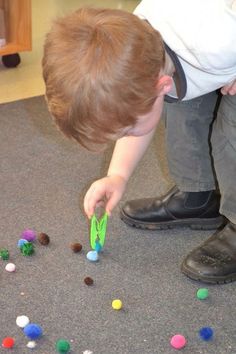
203 35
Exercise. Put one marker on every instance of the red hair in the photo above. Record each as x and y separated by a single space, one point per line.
100 67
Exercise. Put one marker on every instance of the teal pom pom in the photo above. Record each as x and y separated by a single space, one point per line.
98 246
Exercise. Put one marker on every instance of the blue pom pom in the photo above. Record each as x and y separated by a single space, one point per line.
21 242
92 256
33 331
206 333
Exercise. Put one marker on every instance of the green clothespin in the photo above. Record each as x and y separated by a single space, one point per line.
98 232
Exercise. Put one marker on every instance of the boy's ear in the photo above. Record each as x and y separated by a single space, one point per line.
164 85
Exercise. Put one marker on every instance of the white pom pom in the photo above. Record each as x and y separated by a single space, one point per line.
22 321
31 344
10 267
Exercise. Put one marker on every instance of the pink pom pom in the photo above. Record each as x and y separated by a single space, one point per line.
178 341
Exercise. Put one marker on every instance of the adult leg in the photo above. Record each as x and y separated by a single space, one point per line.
215 260
193 201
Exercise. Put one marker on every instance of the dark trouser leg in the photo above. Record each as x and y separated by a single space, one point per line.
188 133
193 203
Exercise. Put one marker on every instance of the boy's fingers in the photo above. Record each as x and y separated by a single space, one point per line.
91 207
229 89
223 91
88 205
88 212
92 200
112 202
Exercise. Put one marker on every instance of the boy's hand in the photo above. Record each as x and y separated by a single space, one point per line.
106 191
229 89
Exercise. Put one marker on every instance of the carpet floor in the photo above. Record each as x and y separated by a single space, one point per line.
43 178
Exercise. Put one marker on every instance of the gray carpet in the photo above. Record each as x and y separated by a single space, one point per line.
43 178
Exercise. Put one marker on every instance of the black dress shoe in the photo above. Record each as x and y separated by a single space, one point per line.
215 260
197 210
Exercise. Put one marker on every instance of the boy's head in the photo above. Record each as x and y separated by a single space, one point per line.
101 67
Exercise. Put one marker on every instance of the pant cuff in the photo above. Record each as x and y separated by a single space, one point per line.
186 185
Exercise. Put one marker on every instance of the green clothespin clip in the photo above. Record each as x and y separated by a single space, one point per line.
98 230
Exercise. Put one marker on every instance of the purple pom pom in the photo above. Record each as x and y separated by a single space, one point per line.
29 235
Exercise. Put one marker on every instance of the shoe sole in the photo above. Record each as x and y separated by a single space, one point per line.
208 280
194 224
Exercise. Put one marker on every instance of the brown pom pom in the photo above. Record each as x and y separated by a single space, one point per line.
76 247
43 239
88 281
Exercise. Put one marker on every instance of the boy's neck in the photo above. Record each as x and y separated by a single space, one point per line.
169 68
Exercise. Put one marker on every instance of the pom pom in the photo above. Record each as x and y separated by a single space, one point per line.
4 254
202 293
8 342
43 239
10 267
29 235
116 304
76 247
206 333
33 331
21 242
31 344
178 341
27 249
92 256
62 346
88 281
98 246
22 321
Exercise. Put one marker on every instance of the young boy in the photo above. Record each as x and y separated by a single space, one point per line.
107 73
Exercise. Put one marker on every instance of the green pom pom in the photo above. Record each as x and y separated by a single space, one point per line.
4 254
27 249
202 293
62 346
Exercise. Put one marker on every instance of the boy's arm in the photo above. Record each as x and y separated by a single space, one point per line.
127 153
129 150
108 190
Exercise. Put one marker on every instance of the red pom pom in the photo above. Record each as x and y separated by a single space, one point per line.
8 342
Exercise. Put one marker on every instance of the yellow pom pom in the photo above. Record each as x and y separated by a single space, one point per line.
116 304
